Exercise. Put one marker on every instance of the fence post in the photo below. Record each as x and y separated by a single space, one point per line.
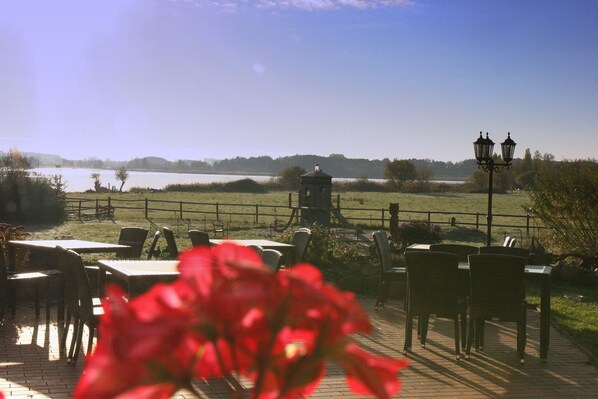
181 210
146 208
383 218
79 210
429 217
290 200
527 224
97 205
477 220
109 202
338 202
257 211
217 212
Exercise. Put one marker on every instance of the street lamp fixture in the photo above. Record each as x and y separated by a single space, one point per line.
484 155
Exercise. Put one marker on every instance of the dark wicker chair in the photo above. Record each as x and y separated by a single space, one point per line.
387 271
9 280
171 246
272 258
432 289
199 238
135 238
462 251
82 306
499 250
154 251
497 292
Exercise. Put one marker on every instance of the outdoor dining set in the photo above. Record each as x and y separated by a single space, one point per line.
467 284
79 288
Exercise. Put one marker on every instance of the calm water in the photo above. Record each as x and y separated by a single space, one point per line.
79 179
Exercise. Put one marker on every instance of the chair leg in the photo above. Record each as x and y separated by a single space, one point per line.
457 346
78 343
90 340
379 301
48 299
65 331
76 328
408 333
463 317
469 337
423 321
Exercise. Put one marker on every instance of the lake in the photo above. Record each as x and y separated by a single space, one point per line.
79 179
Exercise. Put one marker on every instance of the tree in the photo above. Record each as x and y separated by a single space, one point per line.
122 175
400 171
97 184
290 177
565 198
26 199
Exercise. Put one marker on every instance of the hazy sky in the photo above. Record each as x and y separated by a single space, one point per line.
119 79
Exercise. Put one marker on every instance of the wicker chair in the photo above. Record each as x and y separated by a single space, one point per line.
301 239
388 272
154 251
462 251
39 279
82 306
432 289
135 238
499 250
272 258
497 292
171 246
199 238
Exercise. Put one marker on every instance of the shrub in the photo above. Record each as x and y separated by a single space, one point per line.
9 232
418 232
325 248
26 199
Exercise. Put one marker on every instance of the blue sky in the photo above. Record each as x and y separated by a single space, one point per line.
119 79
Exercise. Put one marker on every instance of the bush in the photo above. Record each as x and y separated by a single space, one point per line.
26 199
325 249
9 232
418 232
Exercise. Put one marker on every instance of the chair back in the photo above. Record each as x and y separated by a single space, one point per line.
258 249
77 284
497 285
152 252
272 258
301 239
512 242
462 251
171 247
506 241
133 237
432 282
199 238
498 250
383 249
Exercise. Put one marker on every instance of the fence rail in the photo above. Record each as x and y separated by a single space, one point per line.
240 216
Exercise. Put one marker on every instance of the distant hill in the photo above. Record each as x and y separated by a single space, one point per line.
336 165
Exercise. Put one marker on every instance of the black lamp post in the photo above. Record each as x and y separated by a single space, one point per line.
484 150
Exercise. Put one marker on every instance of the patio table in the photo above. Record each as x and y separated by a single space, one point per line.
140 275
288 250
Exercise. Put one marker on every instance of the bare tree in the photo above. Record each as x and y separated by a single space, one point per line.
121 174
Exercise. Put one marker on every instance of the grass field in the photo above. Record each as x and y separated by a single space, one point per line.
368 210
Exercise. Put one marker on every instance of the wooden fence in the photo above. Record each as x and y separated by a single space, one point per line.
239 216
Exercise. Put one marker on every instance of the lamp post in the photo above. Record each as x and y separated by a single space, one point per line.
484 151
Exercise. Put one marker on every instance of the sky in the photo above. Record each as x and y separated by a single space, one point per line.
375 79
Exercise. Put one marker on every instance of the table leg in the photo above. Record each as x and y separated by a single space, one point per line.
545 318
